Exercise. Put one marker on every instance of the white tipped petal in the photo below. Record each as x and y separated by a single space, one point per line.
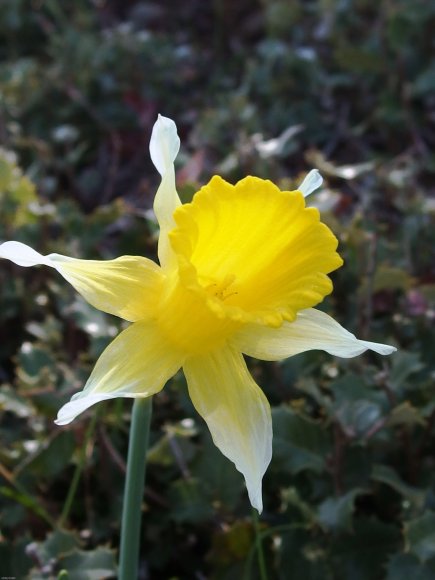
164 147
236 412
127 287
77 405
312 181
312 330
23 255
137 363
164 144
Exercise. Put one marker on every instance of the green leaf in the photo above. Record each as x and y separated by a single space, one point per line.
57 544
32 360
15 561
336 513
391 278
356 406
27 501
189 501
18 190
54 456
420 537
291 498
352 387
360 60
425 82
298 444
13 513
389 476
409 567
404 365
358 417
90 565
172 448
12 402
5 172
405 414
363 554
223 483
300 557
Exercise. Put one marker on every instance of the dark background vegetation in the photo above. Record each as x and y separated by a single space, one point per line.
270 88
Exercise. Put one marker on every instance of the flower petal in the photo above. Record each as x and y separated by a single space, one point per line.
313 180
128 287
23 255
258 252
312 330
137 363
236 412
164 146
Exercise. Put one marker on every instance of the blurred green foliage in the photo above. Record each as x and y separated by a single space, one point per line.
270 88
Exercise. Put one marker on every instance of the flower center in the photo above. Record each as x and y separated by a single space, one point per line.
187 321
221 290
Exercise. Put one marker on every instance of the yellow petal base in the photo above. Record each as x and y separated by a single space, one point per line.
187 323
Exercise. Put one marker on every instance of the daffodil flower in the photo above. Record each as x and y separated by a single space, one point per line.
241 268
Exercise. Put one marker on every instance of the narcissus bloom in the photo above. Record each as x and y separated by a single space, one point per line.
241 267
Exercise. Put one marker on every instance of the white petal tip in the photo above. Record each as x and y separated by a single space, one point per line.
312 181
164 144
63 417
78 404
22 255
259 508
255 497
384 349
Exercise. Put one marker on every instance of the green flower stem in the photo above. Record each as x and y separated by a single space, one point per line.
78 472
259 545
134 489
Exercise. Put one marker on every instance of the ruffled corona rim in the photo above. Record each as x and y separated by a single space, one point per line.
253 252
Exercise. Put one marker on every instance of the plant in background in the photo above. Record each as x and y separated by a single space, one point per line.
241 268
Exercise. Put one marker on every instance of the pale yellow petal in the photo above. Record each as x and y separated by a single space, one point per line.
236 412
137 363
128 287
164 147
312 330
